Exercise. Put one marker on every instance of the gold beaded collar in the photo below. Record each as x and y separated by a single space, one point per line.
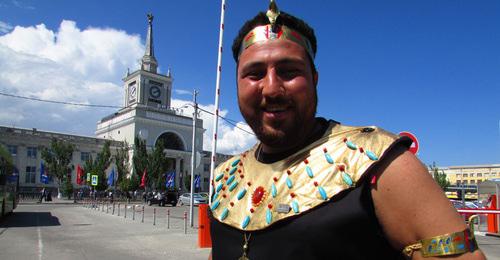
250 195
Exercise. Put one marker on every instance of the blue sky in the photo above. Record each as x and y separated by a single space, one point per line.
429 67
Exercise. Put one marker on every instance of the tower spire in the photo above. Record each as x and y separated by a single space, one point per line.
149 62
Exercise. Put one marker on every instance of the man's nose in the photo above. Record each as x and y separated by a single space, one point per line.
272 85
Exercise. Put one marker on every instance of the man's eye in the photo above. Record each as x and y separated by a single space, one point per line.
255 75
289 73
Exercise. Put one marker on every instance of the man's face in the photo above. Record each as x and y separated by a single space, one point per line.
277 93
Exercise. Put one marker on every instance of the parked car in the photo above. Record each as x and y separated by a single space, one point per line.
163 198
185 199
460 205
204 194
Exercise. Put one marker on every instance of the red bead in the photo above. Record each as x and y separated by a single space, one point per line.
275 179
345 140
227 169
361 150
239 170
241 164
316 183
231 203
242 176
249 183
288 172
251 210
244 155
270 206
306 161
324 150
341 168
258 195
292 195
223 187
225 178
224 195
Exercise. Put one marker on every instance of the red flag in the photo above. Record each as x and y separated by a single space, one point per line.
143 179
79 174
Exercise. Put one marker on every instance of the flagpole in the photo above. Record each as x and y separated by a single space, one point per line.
193 160
217 94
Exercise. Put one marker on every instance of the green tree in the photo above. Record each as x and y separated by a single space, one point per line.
154 162
6 163
99 165
121 160
140 158
57 160
439 176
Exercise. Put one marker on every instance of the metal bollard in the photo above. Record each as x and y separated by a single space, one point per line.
142 221
113 209
107 208
154 217
133 212
125 213
102 209
168 219
118 209
185 222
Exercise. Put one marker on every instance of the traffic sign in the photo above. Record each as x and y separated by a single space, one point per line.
88 177
414 146
94 180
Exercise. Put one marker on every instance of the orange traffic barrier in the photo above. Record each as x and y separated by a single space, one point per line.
204 239
492 219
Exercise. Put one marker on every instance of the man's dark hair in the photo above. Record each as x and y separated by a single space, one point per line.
283 19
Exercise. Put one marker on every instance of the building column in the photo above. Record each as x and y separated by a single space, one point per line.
178 172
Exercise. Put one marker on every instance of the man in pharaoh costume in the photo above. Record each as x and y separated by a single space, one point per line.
314 188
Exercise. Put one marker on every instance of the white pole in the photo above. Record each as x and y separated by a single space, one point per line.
217 94
193 158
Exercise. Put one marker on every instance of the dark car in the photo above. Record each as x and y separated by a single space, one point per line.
163 198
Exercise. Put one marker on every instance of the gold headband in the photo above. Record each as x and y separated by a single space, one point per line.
265 33
274 32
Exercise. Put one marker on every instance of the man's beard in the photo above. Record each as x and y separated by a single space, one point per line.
281 134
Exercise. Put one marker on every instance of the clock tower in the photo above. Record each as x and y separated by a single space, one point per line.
148 115
147 87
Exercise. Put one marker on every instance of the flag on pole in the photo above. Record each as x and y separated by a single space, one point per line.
197 181
43 174
143 179
79 175
170 182
111 177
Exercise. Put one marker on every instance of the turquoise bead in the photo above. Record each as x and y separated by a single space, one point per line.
245 222
233 186
219 187
309 171
347 179
289 183
215 205
215 196
351 145
322 192
328 158
219 177
274 191
235 162
269 216
230 180
371 155
295 206
224 214
241 194
233 170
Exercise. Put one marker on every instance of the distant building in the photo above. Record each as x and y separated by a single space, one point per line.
147 113
471 174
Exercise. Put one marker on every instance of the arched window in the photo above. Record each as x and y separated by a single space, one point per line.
171 141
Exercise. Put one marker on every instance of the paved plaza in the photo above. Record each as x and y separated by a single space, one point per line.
63 230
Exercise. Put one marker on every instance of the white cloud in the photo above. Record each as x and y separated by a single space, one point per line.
81 66
5 27
22 5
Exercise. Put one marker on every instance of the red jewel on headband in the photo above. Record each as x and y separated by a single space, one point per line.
292 195
316 183
251 210
270 206
361 150
341 168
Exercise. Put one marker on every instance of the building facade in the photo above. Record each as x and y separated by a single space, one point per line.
471 175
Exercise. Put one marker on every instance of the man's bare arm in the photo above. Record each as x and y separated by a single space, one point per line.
411 206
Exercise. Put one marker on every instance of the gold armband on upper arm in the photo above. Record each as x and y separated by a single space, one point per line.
444 245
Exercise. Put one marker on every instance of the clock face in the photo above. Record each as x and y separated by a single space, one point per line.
132 92
154 91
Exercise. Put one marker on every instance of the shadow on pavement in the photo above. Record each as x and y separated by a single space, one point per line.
29 219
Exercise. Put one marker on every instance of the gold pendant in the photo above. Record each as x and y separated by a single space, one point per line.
245 248
243 257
